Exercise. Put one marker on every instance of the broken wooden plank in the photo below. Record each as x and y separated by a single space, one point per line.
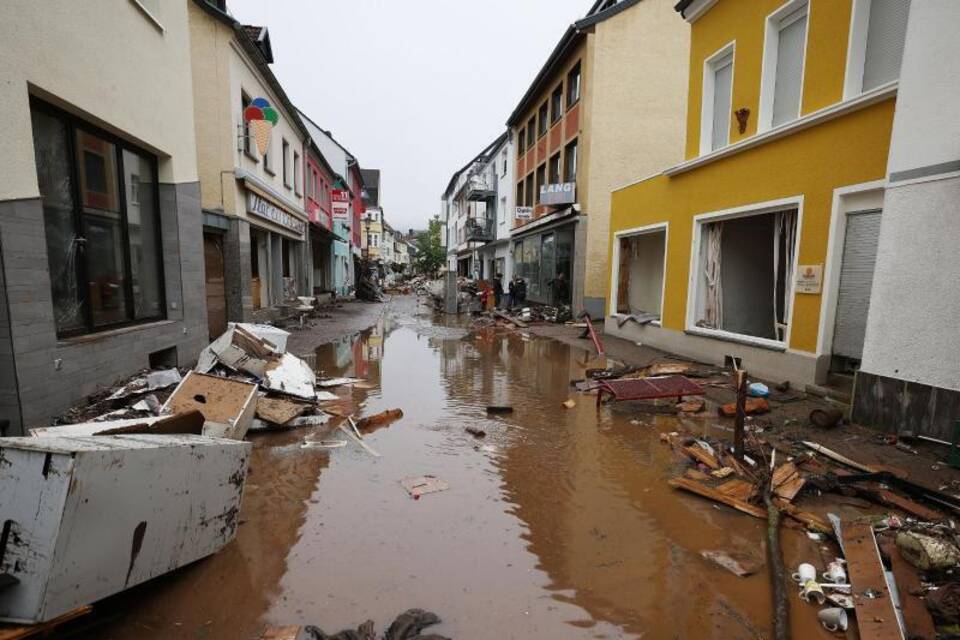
810 520
517 323
696 474
708 492
787 481
837 457
278 410
32 631
916 618
876 616
227 405
701 455
379 420
740 564
739 489
891 499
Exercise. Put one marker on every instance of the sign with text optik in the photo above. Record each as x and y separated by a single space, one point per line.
264 209
340 203
524 213
558 194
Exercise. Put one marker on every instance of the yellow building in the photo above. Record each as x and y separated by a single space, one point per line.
761 244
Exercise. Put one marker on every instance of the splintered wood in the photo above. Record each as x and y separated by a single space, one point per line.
787 482
876 617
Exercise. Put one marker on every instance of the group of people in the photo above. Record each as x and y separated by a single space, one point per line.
516 291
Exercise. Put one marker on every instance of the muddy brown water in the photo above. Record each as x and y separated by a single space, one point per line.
558 524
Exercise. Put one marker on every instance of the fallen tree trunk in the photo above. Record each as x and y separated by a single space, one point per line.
778 575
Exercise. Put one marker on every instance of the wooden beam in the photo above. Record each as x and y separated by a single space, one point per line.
876 617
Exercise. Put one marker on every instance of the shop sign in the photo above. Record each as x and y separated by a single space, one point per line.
264 209
810 278
558 194
340 203
524 213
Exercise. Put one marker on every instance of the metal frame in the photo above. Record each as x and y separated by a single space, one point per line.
73 125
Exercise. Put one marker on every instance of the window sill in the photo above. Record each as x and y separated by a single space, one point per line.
251 156
737 338
111 333
652 323
269 171
575 103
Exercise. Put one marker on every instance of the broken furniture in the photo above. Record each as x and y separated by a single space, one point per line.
227 405
648 388
83 518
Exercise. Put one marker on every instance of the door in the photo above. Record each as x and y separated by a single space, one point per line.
856 281
216 291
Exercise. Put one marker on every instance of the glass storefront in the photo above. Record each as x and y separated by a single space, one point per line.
545 262
102 223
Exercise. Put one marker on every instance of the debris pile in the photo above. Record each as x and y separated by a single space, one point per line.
407 626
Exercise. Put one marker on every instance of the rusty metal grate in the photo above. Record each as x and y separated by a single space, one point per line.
649 388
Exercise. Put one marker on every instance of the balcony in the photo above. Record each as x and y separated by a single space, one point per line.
477 230
479 188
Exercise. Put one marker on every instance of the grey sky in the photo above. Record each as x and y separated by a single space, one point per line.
415 88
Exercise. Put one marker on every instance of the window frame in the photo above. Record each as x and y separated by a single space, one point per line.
575 145
857 52
543 119
768 75
710 66
73 125
540 179
558 157
297 171
531 131
522 141
651 229
556 104
576 71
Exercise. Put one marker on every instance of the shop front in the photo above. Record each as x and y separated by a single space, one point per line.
278 266
544 258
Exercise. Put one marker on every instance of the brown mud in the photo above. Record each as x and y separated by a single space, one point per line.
558 524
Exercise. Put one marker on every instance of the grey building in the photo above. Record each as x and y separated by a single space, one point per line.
100 221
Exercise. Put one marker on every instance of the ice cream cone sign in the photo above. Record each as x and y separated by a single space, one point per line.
261 118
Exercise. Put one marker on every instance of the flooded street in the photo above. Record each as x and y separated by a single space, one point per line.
558 524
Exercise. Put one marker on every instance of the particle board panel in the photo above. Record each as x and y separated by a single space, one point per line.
876 617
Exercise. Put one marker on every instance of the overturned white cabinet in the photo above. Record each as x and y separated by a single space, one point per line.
82 518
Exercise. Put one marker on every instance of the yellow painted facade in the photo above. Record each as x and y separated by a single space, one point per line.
834 144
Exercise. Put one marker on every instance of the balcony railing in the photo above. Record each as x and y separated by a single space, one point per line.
477 230
480 187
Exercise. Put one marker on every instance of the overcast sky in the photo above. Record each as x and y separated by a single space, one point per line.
414 88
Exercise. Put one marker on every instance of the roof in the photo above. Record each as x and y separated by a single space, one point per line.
261 37
256 54
489 150
682 6
600 11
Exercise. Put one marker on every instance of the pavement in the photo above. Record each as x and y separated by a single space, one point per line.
342 319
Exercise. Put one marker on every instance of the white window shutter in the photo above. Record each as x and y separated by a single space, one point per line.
885 37
722 89
789 79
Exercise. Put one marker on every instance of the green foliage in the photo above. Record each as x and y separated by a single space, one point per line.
431 255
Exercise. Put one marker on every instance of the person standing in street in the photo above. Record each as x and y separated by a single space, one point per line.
512 294
497 290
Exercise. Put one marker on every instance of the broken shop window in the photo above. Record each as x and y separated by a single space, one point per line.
640 275
745 272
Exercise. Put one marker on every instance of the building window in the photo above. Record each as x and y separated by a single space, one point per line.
521 141
542 120
783 59
520 201
528 190
570 164
877 36
503 159
717 100
541 180
745 273
556 104
268 160
102 225
285 148
244 103
531 131
555 169
639 264
573 86
297 187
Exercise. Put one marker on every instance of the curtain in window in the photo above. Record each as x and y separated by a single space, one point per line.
713 291
784 241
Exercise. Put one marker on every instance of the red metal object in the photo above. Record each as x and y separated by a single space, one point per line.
593 334
648 388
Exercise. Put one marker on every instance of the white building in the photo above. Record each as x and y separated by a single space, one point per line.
477 211
910 373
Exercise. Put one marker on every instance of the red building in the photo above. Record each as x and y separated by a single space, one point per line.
319 178
359 208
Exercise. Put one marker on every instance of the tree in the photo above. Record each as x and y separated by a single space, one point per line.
431 255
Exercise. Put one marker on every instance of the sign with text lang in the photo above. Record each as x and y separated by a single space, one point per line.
558 194
810 278
524 213
340 204
263 208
